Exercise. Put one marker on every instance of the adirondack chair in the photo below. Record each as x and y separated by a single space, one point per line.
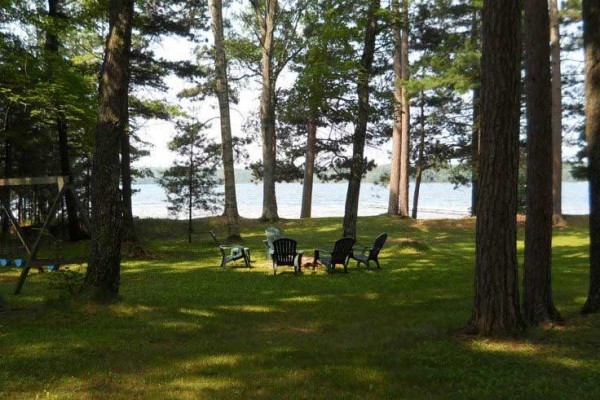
339 255
232 253
368 254
272 234
284 253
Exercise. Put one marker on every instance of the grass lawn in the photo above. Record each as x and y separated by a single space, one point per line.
186 329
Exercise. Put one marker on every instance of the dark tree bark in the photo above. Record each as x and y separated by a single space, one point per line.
475 151
476 93
420 162
556 113
496 302
266 23
309 166
360 130
231 209
591 39
52 45
126 190
405 152
102 277
537 288
5 191
394 197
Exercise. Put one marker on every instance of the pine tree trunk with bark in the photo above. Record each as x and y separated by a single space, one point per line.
496 307
126 182
420 160
231 209
556 113
591 39
405 152
537 288
475 151
309 166
394 196
102 278
266 23
360 130
476 94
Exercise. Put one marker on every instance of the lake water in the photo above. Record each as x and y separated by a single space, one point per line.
437 200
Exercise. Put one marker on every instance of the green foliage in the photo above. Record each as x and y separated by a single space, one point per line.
191 182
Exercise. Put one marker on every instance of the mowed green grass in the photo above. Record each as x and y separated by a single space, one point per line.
186 329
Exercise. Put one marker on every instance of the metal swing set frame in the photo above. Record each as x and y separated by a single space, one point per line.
63 185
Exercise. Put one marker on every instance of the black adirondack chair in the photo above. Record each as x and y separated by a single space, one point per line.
341 251
368 254
232 253
272 234
284 253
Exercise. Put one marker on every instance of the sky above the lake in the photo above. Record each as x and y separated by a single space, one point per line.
159 133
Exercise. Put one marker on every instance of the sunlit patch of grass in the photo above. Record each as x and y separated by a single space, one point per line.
249 308
569 362
197 313
127 310
302 299
505 346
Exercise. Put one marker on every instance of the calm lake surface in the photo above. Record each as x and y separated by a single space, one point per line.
437 200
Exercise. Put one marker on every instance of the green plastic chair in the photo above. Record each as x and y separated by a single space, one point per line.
272 233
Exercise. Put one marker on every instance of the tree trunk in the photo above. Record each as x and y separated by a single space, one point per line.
556 113
102 277
52 45
591 39
309 166
496 301
405 154
267 107
191 188
126 181
231 209
5 192
419 171
394 197
475 151
537 289
360 130
476 93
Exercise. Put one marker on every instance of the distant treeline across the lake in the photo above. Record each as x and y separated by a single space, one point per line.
378 175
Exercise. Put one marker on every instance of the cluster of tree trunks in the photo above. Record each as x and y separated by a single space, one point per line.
495 148
399 170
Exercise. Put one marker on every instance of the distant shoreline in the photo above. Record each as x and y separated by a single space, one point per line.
377 175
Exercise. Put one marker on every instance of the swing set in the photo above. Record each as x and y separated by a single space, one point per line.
25 255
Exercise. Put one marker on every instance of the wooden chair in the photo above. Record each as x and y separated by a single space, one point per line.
368 254
284 253
272 234
339 255
232 253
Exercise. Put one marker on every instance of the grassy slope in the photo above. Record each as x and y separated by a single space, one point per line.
186 329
